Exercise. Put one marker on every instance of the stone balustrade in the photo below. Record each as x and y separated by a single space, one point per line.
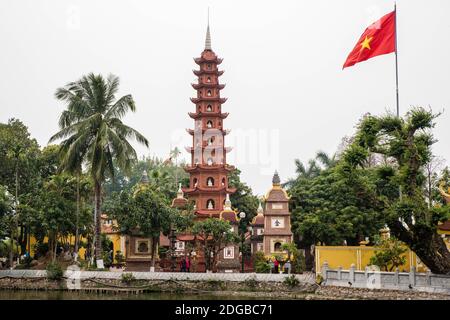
374 279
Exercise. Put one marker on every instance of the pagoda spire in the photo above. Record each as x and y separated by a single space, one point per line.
208 36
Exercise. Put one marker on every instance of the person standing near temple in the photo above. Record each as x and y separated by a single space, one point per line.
187 264
276 264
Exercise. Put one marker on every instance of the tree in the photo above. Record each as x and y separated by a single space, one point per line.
94 134
432 168
162 175
213 235
408 142
145 212
243 199
326 160
304 172
55 213
390 254
333 210
19 155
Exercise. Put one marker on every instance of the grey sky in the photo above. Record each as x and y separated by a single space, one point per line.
282 62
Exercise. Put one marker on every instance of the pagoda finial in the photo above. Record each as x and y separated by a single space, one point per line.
144 178
276 179
180 194
208 36
227 206
260 208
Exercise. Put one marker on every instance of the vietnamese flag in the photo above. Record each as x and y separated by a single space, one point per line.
378 39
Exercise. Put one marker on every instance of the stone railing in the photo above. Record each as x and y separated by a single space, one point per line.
371 278
233 277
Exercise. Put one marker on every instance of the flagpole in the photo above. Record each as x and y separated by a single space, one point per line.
400 193
396 62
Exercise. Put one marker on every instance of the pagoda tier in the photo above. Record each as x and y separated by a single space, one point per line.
210 147
199 115
192 132
216 60
207 85
205 168
208 213
212 72
209 190
211 98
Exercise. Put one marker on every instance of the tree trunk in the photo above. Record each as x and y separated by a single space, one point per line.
435 256
22 238
430 190
427 245
97 217
154 246
77 217
55 245
11 249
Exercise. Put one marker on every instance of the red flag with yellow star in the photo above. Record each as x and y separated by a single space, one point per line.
378 39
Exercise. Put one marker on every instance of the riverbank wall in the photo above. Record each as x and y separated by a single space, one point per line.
264 286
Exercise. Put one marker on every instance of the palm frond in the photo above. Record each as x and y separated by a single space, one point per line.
121 107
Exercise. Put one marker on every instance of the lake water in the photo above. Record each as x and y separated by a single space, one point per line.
79 295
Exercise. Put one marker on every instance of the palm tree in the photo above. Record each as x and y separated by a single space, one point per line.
303 172
327 161
94 135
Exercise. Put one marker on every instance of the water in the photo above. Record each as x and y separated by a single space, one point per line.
79 295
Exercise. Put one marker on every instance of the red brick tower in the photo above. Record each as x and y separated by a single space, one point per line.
209 170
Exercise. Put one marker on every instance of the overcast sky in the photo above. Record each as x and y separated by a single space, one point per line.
288 96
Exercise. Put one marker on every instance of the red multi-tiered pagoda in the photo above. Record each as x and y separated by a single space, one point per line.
209 170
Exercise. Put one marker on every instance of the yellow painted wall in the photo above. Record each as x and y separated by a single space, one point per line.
345 256
115 238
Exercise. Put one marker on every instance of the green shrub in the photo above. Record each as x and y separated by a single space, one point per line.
3 249
262 267
163 251
390 256
119 257
260 264
54 271
319 279
106 259
127 278
291 281
299 262
40 249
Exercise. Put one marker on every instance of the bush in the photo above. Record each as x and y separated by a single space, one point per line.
25 263
390 256
40 249
54 271
291 281
299 262
260 264
319 279
262 267
127 278
3 249
163 252
120 257
106 259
